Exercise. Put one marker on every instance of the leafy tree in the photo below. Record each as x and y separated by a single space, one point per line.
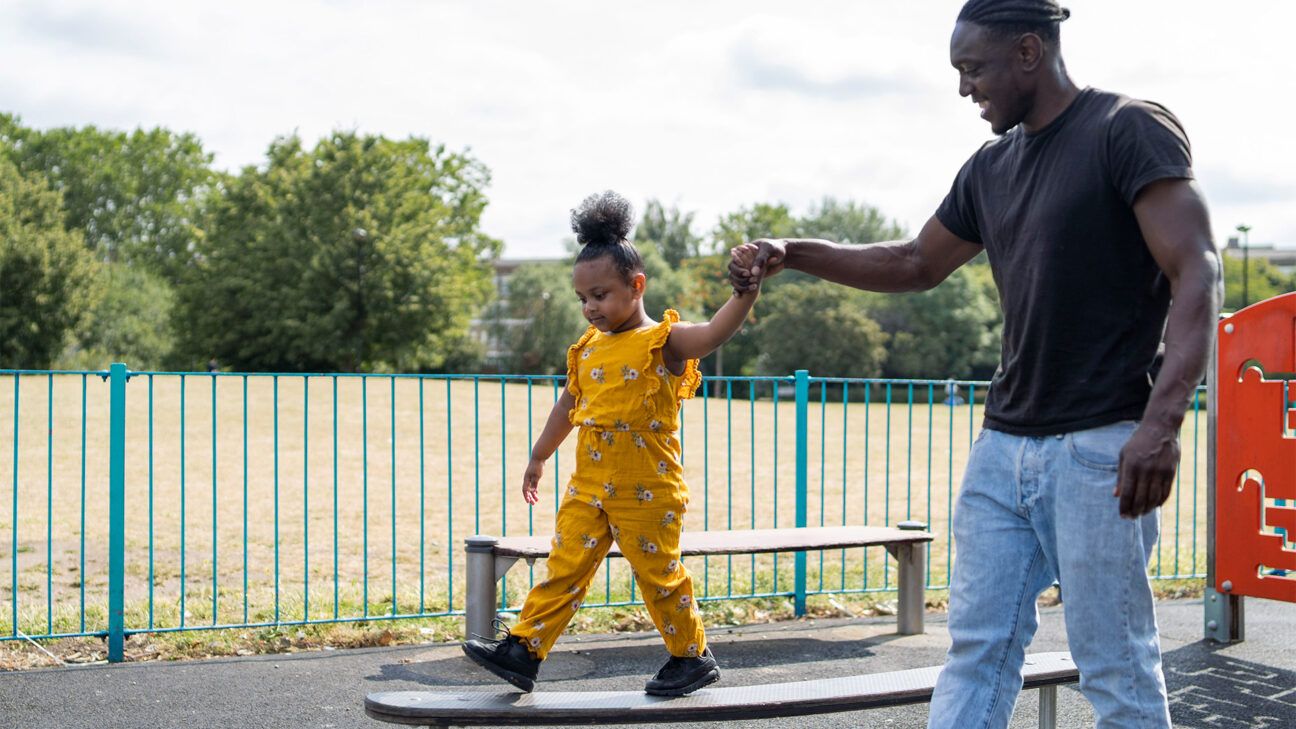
136 196
821 327
47 277
131 324
847 222
539 320
761 220
948 331
667 287
364 253
1263 281
669 231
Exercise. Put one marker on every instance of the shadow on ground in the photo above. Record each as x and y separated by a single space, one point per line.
1209 689
613 661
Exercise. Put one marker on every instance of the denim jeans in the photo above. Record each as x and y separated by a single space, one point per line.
1033 510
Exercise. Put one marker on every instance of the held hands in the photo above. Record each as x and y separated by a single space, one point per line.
531 480
751 262
1147 469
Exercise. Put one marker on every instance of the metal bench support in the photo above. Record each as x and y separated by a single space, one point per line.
1048 707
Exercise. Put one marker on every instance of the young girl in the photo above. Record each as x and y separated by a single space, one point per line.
625 379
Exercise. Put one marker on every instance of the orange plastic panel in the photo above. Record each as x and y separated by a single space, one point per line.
1255 462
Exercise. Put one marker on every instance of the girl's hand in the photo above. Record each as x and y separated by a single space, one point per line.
531 480
751 262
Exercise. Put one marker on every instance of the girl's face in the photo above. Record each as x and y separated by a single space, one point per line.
607 300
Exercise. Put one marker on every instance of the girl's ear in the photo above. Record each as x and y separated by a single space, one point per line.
639 282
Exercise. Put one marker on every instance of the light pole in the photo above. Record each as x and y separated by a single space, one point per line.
1246 262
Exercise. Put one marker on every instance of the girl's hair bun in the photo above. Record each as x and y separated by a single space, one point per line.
602 219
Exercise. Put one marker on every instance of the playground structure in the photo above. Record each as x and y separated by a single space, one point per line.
1252 515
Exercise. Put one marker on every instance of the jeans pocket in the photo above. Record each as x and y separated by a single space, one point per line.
1100 448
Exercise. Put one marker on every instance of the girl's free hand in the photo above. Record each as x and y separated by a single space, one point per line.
531 481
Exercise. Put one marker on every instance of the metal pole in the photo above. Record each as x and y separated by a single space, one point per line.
1048 707
1223 613
802 481
912 559
479 606
116 510
1245 230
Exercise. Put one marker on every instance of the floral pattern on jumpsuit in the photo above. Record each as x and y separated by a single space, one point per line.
627 485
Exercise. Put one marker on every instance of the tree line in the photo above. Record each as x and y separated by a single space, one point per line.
800 323
360 253
363 253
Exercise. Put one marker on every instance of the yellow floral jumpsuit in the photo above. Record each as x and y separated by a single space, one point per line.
627 486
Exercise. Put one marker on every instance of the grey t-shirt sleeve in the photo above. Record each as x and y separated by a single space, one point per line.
957 212
1146 143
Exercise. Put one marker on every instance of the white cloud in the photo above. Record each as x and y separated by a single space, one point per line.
707 105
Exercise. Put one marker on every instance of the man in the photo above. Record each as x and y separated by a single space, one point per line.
1099 242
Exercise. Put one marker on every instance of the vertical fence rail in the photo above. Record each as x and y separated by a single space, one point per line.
802 481
117 514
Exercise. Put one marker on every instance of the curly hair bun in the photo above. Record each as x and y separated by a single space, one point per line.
602 219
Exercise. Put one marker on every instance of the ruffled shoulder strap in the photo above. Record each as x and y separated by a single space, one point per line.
573 357
692 377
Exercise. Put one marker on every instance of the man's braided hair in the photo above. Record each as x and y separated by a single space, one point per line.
1007 19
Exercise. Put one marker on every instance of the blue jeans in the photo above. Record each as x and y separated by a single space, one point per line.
1033 510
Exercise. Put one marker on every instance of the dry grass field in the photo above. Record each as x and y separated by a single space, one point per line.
318 496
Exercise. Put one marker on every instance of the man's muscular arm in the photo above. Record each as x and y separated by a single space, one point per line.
912 265
1173 218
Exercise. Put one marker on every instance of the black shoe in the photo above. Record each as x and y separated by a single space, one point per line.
682 676
509 658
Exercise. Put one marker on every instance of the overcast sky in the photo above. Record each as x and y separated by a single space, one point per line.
706 105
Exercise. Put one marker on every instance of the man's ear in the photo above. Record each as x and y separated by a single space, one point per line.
639 282
1030 52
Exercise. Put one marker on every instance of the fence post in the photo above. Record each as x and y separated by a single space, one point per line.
802 480
116 509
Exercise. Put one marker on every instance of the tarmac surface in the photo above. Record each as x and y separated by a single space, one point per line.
1250 684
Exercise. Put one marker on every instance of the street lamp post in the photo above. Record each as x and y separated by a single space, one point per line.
1246 262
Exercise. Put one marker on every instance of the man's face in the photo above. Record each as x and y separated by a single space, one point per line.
989 73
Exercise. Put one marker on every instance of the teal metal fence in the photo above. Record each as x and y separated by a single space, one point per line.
155 502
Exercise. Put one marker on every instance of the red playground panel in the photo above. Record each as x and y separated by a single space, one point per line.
1255 475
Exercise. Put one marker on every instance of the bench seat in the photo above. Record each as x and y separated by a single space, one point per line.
1044 671
490 558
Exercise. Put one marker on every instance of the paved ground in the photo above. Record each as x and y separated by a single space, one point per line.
1251 684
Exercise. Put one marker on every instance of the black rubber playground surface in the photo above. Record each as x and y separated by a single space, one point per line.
1251 684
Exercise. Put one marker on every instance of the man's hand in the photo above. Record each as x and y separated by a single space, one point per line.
756 260
1147 469
531 480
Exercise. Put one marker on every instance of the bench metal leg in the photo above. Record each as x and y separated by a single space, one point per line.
1048 707
479 605
912 581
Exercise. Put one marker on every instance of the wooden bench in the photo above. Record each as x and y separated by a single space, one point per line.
490 558
1043 671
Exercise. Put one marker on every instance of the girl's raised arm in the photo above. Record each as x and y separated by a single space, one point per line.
695 341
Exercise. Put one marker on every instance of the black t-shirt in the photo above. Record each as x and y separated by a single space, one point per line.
1084 302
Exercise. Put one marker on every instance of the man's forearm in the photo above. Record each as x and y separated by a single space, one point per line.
887 267
1190 330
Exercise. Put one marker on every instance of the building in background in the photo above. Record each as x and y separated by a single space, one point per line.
1281 256
488 326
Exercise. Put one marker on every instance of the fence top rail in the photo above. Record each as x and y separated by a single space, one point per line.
493 377
7 373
